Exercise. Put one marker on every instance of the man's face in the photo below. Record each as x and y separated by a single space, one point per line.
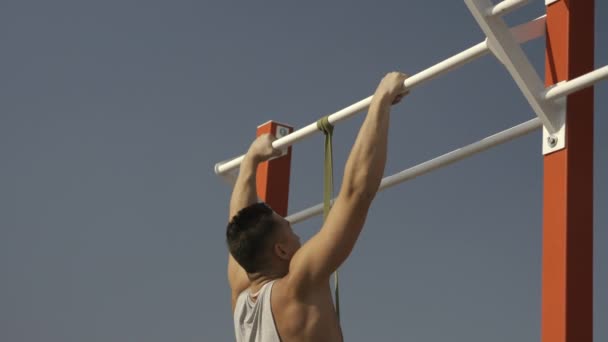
288 239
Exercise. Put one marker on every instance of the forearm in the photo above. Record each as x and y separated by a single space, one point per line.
365 165
244 192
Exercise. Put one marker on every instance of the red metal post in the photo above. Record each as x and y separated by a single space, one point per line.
567 278
273 176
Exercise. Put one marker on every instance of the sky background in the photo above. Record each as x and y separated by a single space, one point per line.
113 114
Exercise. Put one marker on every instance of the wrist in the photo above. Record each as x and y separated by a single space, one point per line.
383 98
252 158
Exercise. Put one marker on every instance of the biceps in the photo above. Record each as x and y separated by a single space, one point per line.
329 248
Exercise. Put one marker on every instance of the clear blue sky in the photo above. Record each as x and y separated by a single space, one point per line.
113 113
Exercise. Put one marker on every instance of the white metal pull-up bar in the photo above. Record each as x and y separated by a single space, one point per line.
568 87
505 7
522 34
436 163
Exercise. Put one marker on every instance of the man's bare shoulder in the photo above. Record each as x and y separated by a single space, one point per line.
283 288
289 288
288 291
304 315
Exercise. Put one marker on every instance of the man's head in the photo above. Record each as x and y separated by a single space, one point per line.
260 240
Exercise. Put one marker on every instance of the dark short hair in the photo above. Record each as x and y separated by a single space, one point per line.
248 236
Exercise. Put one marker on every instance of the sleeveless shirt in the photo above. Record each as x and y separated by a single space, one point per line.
253 321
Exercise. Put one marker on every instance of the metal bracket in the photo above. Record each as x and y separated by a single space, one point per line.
556 141
531 30
281 132
508 51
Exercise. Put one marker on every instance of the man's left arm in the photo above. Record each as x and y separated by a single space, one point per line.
244 194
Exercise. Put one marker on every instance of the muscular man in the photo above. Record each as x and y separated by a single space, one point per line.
280 290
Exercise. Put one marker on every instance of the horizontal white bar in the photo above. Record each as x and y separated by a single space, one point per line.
576 84
425 75
505 7
436 163
523 33
530 30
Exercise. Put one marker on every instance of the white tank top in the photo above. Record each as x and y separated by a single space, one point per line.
253 321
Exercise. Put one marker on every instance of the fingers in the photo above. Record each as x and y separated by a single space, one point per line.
395 82
266 140
262 150
397 99
269 139
396 85
402 77
268 136
276 152
400 97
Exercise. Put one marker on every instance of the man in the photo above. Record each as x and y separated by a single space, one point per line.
280 291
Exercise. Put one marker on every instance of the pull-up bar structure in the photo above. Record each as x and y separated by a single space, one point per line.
436 163
563 105
523 33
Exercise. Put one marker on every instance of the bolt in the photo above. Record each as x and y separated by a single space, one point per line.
552 141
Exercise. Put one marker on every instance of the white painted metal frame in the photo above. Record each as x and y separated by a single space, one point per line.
510 53
548 104
505 7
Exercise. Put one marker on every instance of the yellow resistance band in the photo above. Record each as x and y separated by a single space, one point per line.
328 188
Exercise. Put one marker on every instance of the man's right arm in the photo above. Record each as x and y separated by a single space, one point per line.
329 248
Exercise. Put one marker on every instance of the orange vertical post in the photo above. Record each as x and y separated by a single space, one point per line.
567 278
273 175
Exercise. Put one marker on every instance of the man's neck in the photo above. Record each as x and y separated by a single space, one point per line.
260 279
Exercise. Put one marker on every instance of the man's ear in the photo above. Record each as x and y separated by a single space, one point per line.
280 251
